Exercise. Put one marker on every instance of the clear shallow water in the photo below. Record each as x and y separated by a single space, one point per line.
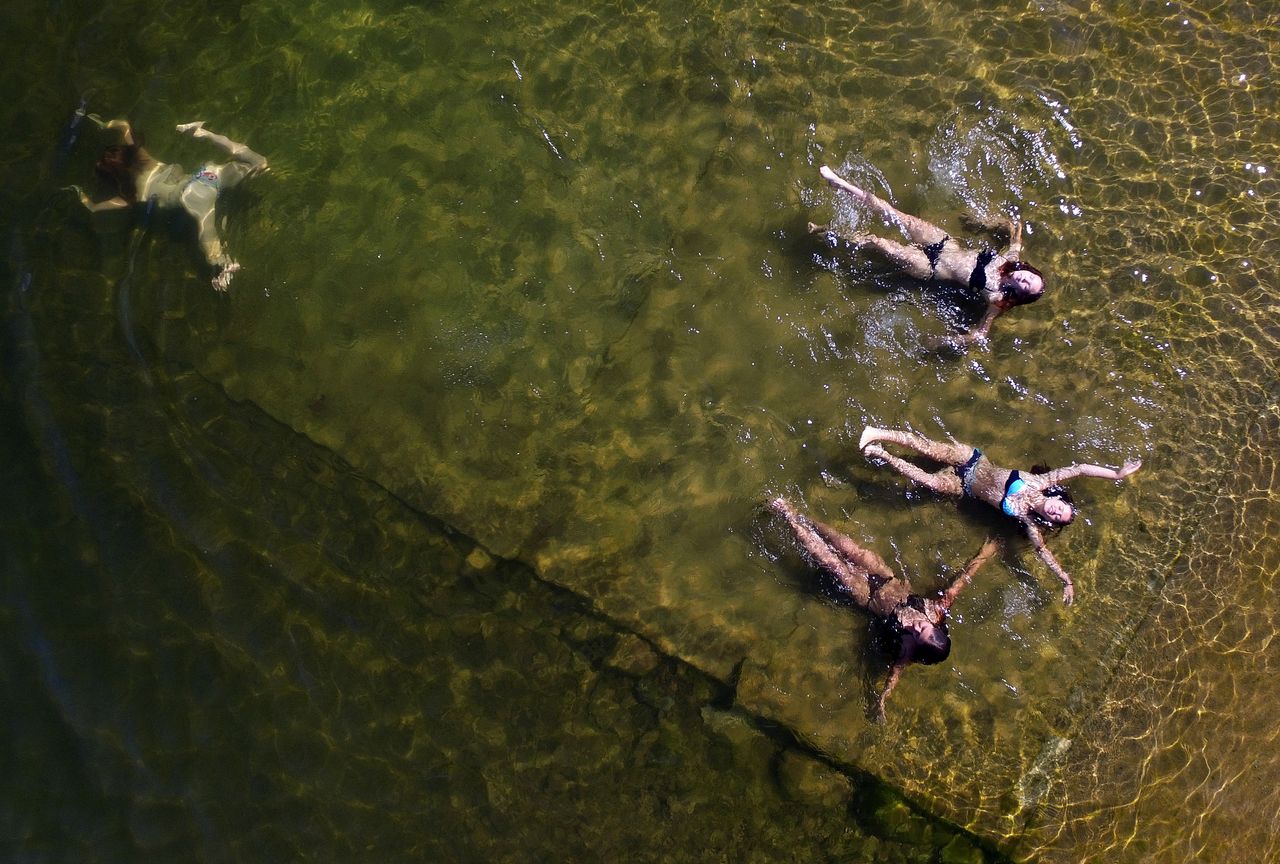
541 273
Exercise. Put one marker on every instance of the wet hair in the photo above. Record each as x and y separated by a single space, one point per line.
1019 297
1057 490
900 643
928 651
118 167
1060 492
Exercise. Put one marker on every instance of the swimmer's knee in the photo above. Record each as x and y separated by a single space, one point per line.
253 164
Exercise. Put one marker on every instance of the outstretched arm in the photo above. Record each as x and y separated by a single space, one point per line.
1037 540
1086 470
961 340
1014 252
984 326
116 203
894 674
985 554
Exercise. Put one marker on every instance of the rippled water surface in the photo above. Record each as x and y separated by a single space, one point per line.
440 537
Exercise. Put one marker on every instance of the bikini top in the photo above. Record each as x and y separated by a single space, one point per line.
978 278
1012 487
965 472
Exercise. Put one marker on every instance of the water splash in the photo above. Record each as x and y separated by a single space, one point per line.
987 157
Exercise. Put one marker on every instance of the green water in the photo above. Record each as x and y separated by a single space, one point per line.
439 538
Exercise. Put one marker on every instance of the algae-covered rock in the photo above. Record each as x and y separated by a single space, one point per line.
808 780
479 559
633 656
893 819
730 725
961 851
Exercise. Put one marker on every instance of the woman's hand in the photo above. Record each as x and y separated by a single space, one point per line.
876 714
222 282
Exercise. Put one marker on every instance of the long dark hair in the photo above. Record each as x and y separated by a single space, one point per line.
118 168
895 641
1008 268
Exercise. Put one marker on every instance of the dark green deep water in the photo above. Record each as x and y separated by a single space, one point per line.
439 538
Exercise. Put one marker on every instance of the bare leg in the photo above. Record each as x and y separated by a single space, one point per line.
908 259
853 578
944 482
894 675
805 531
126 131
199 200
864 558
917 229
948 454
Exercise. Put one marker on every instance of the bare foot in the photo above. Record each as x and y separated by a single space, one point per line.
840 183
856 240
869 434
195 128
780 506
875 450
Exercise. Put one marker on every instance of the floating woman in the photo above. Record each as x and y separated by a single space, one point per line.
916 627
1026 496
137 177
1001 280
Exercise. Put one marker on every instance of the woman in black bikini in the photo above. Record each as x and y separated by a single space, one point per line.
1025 496
137 177
1001 280
917 625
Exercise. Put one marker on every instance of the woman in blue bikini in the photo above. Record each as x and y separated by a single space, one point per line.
136 177
1024 495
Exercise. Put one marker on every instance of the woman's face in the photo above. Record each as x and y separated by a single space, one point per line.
1028 285
923 624
924 635
1057 511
